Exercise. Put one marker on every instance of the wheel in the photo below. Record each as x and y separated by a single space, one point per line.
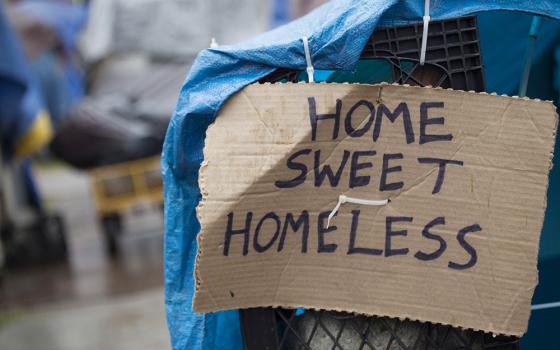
53 230
10 250
112 227
269 328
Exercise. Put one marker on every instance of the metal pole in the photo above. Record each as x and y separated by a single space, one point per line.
535 23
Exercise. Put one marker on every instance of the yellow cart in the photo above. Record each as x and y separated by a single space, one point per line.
122 187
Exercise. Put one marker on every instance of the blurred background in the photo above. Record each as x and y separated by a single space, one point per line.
86 91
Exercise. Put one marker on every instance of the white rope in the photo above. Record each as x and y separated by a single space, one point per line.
545 306
425 31
344 199
310 69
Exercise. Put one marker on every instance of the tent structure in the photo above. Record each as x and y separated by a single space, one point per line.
337 33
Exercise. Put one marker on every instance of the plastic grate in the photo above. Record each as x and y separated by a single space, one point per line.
453 57
453 46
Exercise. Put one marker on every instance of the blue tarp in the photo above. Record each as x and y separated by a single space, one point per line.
337 33
31 90
20 102
60 80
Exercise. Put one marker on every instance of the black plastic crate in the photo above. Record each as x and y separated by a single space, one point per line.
453 57
452 46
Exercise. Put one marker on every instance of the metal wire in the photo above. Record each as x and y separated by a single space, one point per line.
341 331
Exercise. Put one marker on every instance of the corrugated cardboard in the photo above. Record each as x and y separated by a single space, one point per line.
462 252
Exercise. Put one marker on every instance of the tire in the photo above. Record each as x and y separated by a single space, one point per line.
287 329
53 230
112 227
7 233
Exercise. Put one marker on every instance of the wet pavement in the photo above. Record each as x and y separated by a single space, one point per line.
92 302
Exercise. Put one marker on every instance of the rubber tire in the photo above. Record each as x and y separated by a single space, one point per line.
54 232
112 227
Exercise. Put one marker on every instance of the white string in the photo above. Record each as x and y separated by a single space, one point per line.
310 70
213 43
545 306
425 32
344 199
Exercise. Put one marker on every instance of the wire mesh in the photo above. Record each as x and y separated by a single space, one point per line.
288 329
341 331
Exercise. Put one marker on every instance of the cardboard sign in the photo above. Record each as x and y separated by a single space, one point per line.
465 174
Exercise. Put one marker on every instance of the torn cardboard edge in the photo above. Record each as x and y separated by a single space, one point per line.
402 316
378 314
402 85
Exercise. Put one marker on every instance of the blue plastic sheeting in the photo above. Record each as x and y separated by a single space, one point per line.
66 20
504 39
337 33
20 102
